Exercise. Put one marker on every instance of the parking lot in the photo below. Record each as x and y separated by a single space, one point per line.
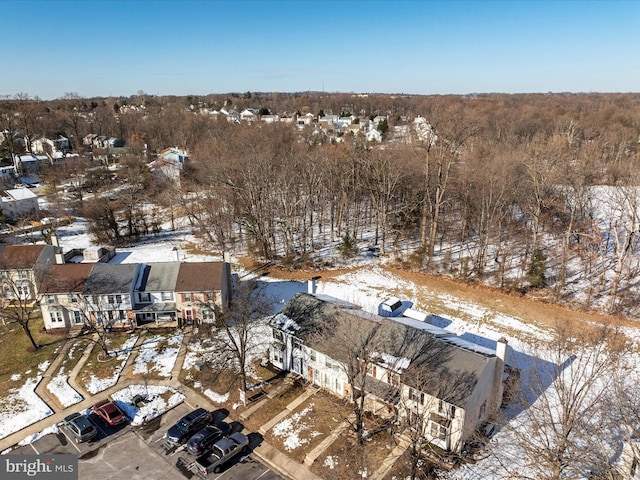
134 453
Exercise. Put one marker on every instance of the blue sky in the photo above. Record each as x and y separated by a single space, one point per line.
101 48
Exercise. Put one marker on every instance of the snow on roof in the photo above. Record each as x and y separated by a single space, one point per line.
20 193
284 323
391 362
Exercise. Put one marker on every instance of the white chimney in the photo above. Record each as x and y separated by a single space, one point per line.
498 384
311 285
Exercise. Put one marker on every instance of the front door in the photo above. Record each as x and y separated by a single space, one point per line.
310 374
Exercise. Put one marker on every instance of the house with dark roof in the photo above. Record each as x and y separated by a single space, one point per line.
200 288
108 293
418 375
22 267
62 300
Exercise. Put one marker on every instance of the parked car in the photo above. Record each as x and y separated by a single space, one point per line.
188 425
109 412
80 427
201 441
221 452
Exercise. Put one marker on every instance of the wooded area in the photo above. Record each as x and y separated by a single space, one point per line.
518 191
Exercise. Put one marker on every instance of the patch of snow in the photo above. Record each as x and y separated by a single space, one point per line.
154 405
216 397
32 438
161 362
21 408
66 395
95 384
290 429
330 462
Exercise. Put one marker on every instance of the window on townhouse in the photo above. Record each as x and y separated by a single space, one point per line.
122 315
412 395
77 316
144 296
421 398
166 296
23 289
439 431
187 297
72 298
4 274
208 315
23 274
51 299
312 353
57 317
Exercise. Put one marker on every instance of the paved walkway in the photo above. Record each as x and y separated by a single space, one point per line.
277 460
404 442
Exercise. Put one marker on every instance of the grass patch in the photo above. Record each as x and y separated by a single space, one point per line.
402 468
346 458
74 354
99 366
325 413
275 405
17 357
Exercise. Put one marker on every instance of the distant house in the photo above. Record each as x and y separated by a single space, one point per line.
270 118
373 135
415 373
18 203
200 288
249 115
29 163
47 145
23 266
169 163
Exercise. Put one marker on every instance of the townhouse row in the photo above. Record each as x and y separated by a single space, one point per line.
115 295
424 378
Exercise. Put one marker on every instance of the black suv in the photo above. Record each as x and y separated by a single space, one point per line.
201 441
188 425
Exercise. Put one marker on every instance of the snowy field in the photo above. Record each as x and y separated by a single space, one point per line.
364 286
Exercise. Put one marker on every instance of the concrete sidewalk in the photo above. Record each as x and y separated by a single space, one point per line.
276 460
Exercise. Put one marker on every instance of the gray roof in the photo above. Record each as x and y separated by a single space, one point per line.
106 278
159 277
425 358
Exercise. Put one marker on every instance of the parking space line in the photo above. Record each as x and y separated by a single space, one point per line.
34 449
263 474
71 441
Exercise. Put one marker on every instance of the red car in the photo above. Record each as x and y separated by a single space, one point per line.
109 412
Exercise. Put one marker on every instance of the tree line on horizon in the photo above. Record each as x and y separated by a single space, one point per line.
519 191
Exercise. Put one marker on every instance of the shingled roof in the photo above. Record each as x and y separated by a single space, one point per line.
200 277
422 358
66 278
15 257
108 278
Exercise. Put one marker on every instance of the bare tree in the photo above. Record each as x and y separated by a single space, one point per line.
18 303
236 339
559 433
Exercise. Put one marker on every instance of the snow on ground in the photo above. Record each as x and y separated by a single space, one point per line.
60 388
292 427
32 438
22 407
151 360
95 384
216 397
154 404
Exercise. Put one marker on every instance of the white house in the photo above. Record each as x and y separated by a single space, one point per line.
50 145
373 135
414 373
17 203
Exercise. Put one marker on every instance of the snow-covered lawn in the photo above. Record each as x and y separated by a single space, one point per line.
95 385
22 406
158 399
158 354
